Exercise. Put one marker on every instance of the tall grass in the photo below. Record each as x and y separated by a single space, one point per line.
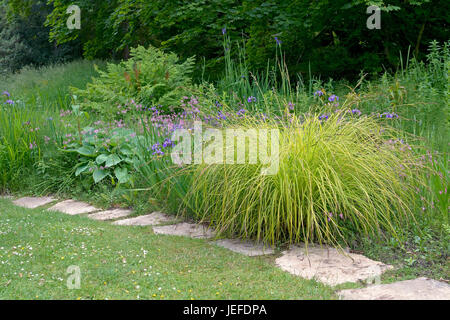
336 177
48 86
24 133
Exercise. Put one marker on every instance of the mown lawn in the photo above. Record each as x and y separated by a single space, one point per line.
119 262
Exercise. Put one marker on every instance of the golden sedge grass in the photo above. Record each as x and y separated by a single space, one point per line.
336 177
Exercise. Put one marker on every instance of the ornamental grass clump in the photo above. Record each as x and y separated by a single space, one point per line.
337 177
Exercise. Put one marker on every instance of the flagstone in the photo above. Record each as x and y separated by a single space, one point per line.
33 202
73 207
416 289
152 219
110 214
186 229
329 265
246 247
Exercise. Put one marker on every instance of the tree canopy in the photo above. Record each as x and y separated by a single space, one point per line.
328 37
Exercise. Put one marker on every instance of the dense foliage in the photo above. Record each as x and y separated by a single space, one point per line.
24 40
325 37
150 77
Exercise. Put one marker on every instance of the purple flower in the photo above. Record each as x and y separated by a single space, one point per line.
389 115
318 93
224 30
333 98
9 101
221 116
241 112
168 143
158 152
278 42
6 93
356 111
323 117
291 105
251 99
155 146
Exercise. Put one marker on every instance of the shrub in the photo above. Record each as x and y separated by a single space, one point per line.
337 176
150 77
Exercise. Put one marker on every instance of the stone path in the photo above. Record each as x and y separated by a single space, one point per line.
324 264
186 229
110 214
73 207
248 248
329 266
33 202
417 289
152 219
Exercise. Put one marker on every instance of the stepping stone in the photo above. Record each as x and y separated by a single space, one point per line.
152 219
417 289
73 207
186 229
110 214
247 248
330 266
33 202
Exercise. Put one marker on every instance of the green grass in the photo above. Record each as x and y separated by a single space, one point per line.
37 247
49 86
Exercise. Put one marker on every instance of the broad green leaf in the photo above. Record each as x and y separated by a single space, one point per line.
101 159
112 160
99 175
86 151
81 169
122 175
